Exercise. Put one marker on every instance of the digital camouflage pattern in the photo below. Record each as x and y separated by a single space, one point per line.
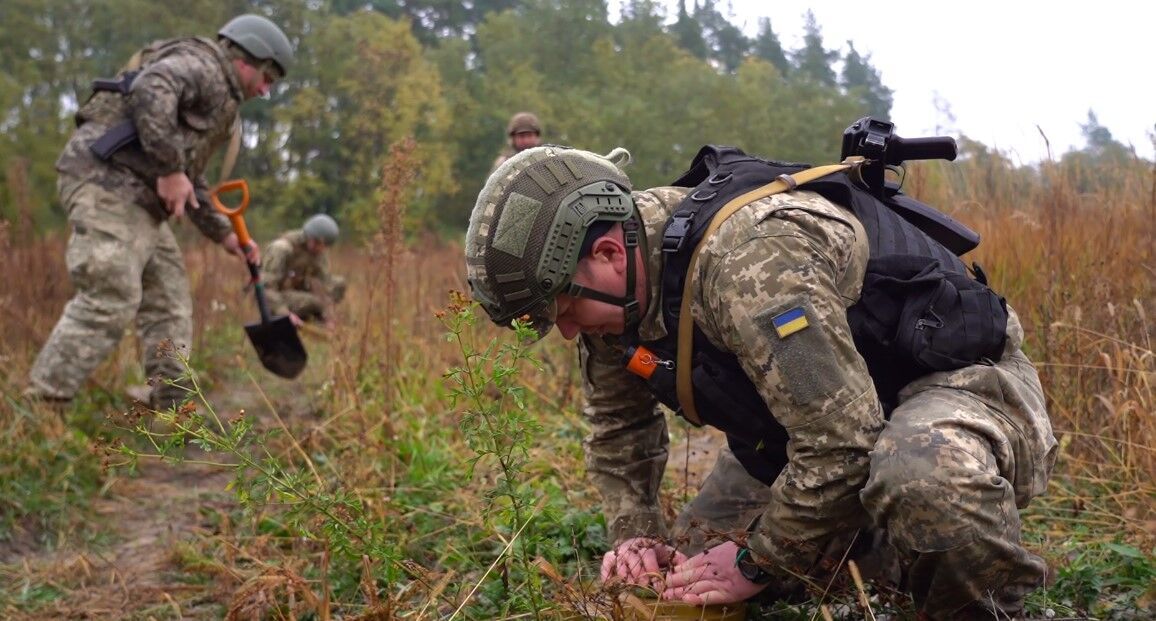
122 257
123 265
929 470
299 281
183 103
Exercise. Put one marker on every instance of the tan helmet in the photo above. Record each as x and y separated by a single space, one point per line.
523 122
528 225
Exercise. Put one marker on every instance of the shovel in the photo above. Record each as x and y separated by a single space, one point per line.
275 338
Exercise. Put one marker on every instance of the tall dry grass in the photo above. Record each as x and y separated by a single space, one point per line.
1078 267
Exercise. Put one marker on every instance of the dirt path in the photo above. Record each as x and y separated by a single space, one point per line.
134 569
138 577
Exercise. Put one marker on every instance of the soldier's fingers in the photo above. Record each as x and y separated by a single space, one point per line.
650 561
608 561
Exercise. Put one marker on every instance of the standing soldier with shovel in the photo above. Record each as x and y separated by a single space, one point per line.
137 158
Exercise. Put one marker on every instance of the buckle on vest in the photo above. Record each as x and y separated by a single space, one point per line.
715 179
675 234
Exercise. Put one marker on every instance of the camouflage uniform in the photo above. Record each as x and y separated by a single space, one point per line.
122 257
943 477
299 281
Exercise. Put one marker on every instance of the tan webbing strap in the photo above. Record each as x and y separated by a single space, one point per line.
682 365
230 160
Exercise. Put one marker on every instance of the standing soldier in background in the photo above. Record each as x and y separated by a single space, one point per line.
296 273
136 159
524 132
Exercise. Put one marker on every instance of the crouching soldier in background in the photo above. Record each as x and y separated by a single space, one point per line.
939 461
296 273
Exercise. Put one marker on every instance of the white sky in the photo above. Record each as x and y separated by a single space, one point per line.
1002 68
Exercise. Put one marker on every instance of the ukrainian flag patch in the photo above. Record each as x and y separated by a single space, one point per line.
790 322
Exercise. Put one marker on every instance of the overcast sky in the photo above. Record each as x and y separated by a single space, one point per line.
1000 68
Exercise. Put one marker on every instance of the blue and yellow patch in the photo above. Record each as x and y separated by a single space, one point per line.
790 322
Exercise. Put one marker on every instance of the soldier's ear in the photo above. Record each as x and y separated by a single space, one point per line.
610 249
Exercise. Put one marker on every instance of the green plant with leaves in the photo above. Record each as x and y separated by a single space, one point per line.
499 428
306 502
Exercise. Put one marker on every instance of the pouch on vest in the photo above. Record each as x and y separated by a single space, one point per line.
937 319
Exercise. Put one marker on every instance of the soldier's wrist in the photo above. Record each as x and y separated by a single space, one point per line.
750 568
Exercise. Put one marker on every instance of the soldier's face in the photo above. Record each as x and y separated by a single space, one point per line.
526 140
314 246
255 81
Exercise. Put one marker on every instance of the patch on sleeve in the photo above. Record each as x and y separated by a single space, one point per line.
790 322
806 361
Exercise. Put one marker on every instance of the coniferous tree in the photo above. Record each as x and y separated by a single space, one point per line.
862 82
688 32
767 47
813 61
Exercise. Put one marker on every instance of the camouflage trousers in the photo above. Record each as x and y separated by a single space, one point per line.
127 270
959 457
963 452
308 305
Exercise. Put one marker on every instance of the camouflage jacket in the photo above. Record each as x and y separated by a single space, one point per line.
777 253
288 266
184 103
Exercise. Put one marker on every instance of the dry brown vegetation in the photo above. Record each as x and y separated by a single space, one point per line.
1079 267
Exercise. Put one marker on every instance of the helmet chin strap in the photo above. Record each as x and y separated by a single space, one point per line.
628 302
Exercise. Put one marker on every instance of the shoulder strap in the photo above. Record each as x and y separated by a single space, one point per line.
231 153
683 357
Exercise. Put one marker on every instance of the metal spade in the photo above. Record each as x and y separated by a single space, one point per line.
275 338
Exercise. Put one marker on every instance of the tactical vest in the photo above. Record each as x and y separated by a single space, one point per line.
108 104
919 311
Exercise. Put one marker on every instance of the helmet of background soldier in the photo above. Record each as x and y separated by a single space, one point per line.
321 227
529 223
261 39
523 122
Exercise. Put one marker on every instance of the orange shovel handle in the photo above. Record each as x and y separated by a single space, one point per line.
235 214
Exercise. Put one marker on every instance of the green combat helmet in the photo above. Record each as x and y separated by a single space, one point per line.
261 38
321 227
523 122
528 226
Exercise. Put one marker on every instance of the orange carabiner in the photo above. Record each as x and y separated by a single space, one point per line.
235 214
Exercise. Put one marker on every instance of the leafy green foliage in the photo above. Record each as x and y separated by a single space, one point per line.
450 75
1110 580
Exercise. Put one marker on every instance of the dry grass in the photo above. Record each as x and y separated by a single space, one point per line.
1078 267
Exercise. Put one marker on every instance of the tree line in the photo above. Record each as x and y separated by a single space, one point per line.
449 74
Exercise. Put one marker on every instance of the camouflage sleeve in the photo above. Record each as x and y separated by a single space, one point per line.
274 271
775 300
323 269
212 223
158 95
627 446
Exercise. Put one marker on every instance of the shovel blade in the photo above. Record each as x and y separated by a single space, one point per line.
278 346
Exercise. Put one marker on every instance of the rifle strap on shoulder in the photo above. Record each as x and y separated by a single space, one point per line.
683 357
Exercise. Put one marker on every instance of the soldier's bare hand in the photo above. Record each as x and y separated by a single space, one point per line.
710 578
640 561
295 320
251 252
177 191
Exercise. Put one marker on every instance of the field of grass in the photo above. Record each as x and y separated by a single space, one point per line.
427 466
